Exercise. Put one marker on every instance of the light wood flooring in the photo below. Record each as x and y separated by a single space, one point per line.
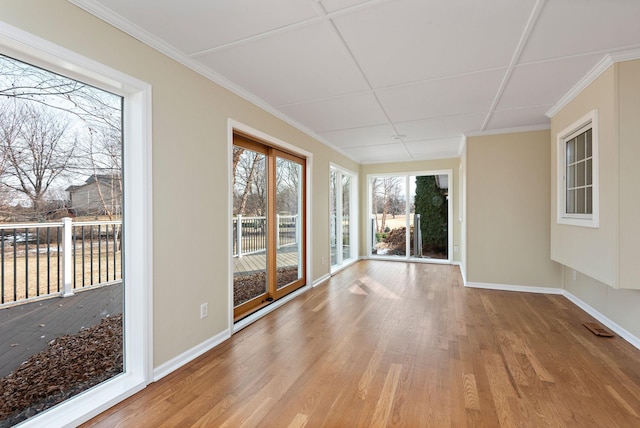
405 345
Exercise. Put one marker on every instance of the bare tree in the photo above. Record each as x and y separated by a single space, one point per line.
250 183
385 191
21 81
44 118
36 149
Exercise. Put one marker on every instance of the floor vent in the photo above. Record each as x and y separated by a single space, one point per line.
597 329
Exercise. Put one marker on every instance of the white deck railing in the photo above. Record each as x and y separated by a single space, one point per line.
57 258
250 233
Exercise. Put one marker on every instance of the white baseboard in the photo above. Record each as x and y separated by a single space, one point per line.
189 355
519 288
619 330
462 272
322 279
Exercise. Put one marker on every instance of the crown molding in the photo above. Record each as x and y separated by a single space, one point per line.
145 37
592 75
531 128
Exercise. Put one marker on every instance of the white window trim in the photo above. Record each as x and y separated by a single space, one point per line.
138 237
584 220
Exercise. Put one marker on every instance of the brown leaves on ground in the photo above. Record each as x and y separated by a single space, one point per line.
246 287
69 365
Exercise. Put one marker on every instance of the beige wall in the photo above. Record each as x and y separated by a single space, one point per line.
403 167
190 170
607 253
628 94
507 210
612 251
590 250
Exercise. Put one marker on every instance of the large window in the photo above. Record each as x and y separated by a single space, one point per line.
118 93
577 173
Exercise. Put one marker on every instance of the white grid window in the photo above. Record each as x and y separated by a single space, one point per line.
578 173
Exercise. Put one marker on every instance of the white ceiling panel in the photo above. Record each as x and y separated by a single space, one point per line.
472 93
526 117
545 82
336 5
360 137
435 149
385 153
570 27
354 111
356 72
289 67
409 40
440 127
194 25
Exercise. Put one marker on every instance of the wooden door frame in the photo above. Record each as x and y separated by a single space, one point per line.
272 293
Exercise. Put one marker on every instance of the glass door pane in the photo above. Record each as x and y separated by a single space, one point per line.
333 217
430 194
250 227
289 230
389 215
346 217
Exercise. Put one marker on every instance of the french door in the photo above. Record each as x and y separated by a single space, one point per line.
410 216
268 224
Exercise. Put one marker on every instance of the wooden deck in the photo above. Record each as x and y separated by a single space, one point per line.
26 329
257 262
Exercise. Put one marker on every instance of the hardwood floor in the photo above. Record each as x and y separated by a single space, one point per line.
395 344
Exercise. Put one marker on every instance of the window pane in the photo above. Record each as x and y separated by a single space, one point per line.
333 219
346 217
580 174
580 147
289 233
249 225
580 201
589 208
571 150
571 197
571 177
588 138
589 172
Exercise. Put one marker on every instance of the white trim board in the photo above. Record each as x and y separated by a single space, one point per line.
613 326
592 75
189 355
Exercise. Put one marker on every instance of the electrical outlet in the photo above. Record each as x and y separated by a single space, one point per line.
455 249
574 275
204 310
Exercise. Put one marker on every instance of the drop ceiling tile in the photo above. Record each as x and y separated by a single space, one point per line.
439 127
520 118
358 137
335 5
354 111
570 27
471 93
289 67
379 154
409 40
436 149
194 25
545 82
